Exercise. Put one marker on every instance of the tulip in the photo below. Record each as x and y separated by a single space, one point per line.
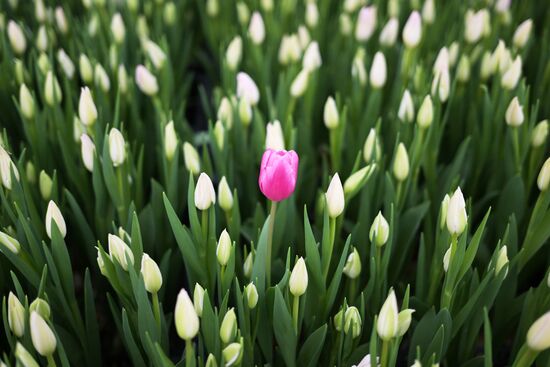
312 14
299 84
378 71
425 113
26 102
246 88
41 307
52 90
228 328
251 295
358 70
152 277
156 54
43 338
17 38
345 24
86 108
42 39
211 361
544 176
170 140
352 322
443 211
205 195
330 114
406 107
256 28
522 33
54 214
412 32
474 24
401 163
232 354
10 243
191 158
146 81
243 13
122 78
117 28
66 63
101 78
305 39
234 52
366 23
540 133
24 357
312 57
502 260
212 8
16 315
298 278
371 149
278 174
428 11
185 317
117 147
219 134
6 168
404 319
169 13
61 20
457 217
248 264
45 185
88 151
514 113
290 49
198 299
388 35
245 112
225 197
379 230
447 259
86 69
120 251
538 336
335 197
225 112
463 69
387 324
353 265
356 181
223 251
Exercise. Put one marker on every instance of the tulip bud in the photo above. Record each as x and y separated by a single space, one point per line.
45 185
486 69
17 38
219 134
443 83
387 325
66 63
544 176
117 147
122 79
251 295
443 211
352 322
502 260
170 140
330 114
16 315
514 113
26 102
246 88
540 133
356 181
152 277
44 63
225 112
474 25
43 338
388 35
52 90
298 278
304 38
155 53
453 53
211 361
191 158
378 71
88 151
412 32
117 28
425 113
40 11
42 39
290 49
86 108
353 265
232 354
245 112
538 336
457 218
511 77
61 20
522 33
212 8
300 83
312 14
274 138
120 251
345 24
170 13
101 78
205 195
86 70
10 243
406 107
228 328
428 11
358 70
54 214
41 307
225 197
335 197
198 299
447 259
185 317
6 168
146 81
312 57
404 319
338 320
223 251
24 357
371 149
256 28
243 13
463 70
401 163
248 264
19 71
234 52
366 23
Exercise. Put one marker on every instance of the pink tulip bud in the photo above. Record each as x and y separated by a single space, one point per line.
278 173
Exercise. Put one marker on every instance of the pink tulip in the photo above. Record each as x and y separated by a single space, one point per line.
278 173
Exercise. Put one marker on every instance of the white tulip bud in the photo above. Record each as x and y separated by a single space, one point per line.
219 134
388 35
378 71
251 295
366 23
312 14
248 264
234 53
371 149
312 57
19 71
290 49
356 180
45 185
352 322
443 211
10 243
170 13
502 260
122 79
41 307
17 38
205 195
40 11
146 81
6 168
522 33
303 36
428 11
330 114
406 107
117 28
86 108
223 251
87 148
66 63
86 70
540 133
447 259
225 112
246 88
379 230
52 90
486 69
120 251
425 113
544 176
101 78
267 5
152 277
54 214
191 158
232 354
225 197
350 6
256 28
30 171
335 197
117 147
42 39
463 70
299 84
212 8
442 83
228 328
198 299
401 163
185 317
511 77
61 20
243 13
453 53
404 319
387 325
24 357
298 278
16 315
514 113
474 25
538 336
26 102
155 53
245 112
345 24
501 58
457 218
170 140
358 70
353 265
274 138
412 32
43 338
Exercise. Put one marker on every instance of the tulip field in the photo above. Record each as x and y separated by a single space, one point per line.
204 183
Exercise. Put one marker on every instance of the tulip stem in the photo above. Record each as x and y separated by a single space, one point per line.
205 225
448 287
156 308
332 235
515 134
384 354
270 241
295 312
525 357
51 361
189 354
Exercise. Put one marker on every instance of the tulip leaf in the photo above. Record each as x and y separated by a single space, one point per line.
312 347
284 330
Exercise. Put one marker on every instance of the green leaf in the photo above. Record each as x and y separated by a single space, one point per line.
284 330
311 350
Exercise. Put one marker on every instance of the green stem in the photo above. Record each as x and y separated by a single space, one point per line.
448 288
270 241
525 357
121 206
156 309
332 235
384 355
515 135
295 312
51 361
205 226
189 354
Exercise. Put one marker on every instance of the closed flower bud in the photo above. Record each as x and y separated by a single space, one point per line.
17 38
191 158
41 307
185 317
101 78
228 328
378 71
234 53
443 83
152 277
401 163
219 134
425 113
146 81
61 20
379 230
304 37
54 214
453 53
26 102
86 108
117 147
339 320
248 264
43 338
122 76
66 63
225 197
352 322
474 25
42 39
330 114
198 299
300 83
366 23
251 295
19 71
353 265
371 149
223 251
447 259
232 354
428 11
30 172
52 90
298 278
117 28
335 197
406 107
9 242
312 57
246 88
16 315
170 140
511 77
443 211
256 28
388 35
24 357
521 36
540 133
243 13
170 13
486 69
155 53
120 251
538 336
514 113
205 195
345 24
502 260
86 69
245 112
274 138
225 112
211 361
40 11
457 218
45 185
404 319
290 49
544 176
212 8
356 181
387 325
7 168
312 14
87 148
463 69
358 70
267 5
412 32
